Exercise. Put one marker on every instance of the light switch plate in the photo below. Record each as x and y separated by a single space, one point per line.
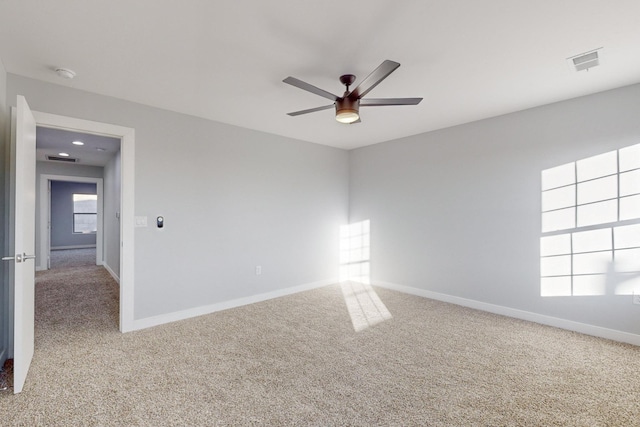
141 221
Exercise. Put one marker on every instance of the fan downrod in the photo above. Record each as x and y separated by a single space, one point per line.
347 80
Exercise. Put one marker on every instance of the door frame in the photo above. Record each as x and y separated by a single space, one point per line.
45 217
127 176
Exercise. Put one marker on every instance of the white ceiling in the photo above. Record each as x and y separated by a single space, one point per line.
96 151
225 61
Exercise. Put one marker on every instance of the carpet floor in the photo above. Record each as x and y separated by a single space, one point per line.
334 356
6 378
69 258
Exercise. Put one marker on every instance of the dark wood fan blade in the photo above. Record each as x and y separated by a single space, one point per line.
373 79
376 102
311 110
310 88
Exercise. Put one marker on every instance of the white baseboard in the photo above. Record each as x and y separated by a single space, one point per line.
62 248
570 325
208 309
111 272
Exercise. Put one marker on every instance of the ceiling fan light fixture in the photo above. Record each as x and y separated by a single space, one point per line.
347 116
347 110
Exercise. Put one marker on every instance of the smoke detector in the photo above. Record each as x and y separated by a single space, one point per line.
584 61
65 73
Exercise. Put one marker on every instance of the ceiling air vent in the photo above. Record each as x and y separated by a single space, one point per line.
62 159
584 61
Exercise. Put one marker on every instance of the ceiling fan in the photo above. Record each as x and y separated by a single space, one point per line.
348 105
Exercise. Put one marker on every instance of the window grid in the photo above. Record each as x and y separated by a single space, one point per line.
571 253
618 198
85 213
573 264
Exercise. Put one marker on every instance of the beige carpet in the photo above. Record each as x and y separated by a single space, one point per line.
297 361
68 258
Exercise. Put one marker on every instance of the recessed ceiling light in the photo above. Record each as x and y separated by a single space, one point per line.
101 149
63 154
78 143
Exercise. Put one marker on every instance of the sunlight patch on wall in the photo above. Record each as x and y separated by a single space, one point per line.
364 306
590 242
355 243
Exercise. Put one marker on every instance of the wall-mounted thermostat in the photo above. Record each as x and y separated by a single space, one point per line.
160 222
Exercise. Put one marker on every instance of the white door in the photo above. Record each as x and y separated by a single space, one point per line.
23 255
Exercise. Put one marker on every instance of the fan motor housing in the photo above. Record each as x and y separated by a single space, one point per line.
347 110
347 104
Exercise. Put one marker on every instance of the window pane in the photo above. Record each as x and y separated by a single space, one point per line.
592 194
594 284
590 241
627 236
630 158
630 183
596 262
598 213
628 260
558 176
597 190
85 223
555 286
562 197
597 166
559 220
629 207
555 266
555 245
85 203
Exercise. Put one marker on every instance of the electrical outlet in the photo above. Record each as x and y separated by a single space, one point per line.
636 299
258 270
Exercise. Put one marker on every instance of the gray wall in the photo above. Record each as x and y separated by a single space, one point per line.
111 220
62 234
458 211
232 199
4 170
61 169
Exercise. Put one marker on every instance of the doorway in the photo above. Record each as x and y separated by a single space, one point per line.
125 214
22 229
57 218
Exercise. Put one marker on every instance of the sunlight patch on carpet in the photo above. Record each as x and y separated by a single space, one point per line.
364 305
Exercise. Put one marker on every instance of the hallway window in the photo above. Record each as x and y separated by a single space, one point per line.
85 213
